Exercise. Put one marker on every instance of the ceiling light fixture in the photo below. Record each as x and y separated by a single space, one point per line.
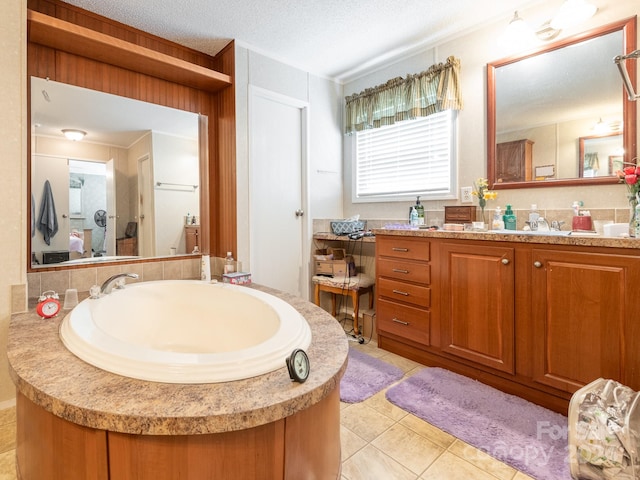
73 134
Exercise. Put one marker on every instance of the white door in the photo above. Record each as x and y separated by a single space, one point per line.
146 226
278 191
112 218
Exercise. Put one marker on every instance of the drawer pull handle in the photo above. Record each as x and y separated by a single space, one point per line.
398 270
537 264
400 321
505 261
398 249
400 292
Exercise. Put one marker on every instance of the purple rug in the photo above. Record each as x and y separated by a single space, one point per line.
365 376
517 432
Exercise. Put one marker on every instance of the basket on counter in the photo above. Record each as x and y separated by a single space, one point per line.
341 227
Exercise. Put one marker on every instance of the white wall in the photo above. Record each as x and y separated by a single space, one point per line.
325 143
476 49
175 160
13 181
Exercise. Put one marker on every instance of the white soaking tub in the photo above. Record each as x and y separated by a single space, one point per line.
185 331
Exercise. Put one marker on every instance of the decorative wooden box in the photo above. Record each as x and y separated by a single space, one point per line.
460 214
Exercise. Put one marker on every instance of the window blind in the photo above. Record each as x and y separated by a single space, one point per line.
407 158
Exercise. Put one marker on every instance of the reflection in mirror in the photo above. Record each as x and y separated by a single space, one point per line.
601 155
128 189
541 104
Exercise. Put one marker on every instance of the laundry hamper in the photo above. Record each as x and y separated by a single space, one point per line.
604 432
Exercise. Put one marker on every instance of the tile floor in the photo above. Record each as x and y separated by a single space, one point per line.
382 441
379 442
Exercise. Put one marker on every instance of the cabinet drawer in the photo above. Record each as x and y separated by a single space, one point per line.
407 248
409 322
404 270
404 292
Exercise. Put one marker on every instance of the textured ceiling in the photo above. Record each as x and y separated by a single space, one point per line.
332 38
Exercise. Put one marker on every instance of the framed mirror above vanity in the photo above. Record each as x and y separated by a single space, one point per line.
122 191
67 51
558 115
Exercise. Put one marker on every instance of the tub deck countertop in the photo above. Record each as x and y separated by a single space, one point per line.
53 378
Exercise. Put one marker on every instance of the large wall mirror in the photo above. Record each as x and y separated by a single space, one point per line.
130 188
549 109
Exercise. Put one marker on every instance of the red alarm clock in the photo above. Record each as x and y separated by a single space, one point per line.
48 304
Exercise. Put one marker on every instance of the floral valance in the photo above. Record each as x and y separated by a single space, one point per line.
418 95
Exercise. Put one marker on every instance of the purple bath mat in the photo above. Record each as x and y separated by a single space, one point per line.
365 376
517 432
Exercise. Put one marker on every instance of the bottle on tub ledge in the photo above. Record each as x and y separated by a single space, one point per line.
229 263
230 274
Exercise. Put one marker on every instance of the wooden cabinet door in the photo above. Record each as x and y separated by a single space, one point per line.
477 304
513 161
584 310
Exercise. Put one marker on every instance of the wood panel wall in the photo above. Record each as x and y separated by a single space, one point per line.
219 107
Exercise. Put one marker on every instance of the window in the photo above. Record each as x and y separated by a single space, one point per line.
400 161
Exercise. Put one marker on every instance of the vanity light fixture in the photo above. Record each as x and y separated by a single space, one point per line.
73 134
573 12
517 31
600 127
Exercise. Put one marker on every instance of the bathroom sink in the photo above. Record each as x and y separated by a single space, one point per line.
551 233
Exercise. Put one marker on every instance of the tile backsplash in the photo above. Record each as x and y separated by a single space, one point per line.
83 279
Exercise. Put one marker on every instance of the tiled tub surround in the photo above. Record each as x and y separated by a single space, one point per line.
82 279
48 376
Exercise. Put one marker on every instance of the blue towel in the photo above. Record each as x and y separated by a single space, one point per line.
47 219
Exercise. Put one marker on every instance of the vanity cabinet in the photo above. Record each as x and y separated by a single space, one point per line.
513 161
403 279
477 304
538 320
584 315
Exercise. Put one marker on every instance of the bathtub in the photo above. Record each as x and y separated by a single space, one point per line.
185 331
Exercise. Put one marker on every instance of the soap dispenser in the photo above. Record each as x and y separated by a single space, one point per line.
510 221
413 217
498 222
420 211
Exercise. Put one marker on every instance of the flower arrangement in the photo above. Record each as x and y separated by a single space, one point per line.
481 190
630 176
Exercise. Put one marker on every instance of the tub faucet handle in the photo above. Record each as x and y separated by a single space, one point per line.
109 282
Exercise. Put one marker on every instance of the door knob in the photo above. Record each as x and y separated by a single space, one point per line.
142 217
505 261
299 212
537 264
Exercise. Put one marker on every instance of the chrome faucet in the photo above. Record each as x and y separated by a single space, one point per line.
557 225
543 226
108 284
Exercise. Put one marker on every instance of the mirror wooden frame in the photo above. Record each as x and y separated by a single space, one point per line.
609 161
628 28
159 72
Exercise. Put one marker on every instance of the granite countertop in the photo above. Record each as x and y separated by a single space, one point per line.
576 239
58 381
